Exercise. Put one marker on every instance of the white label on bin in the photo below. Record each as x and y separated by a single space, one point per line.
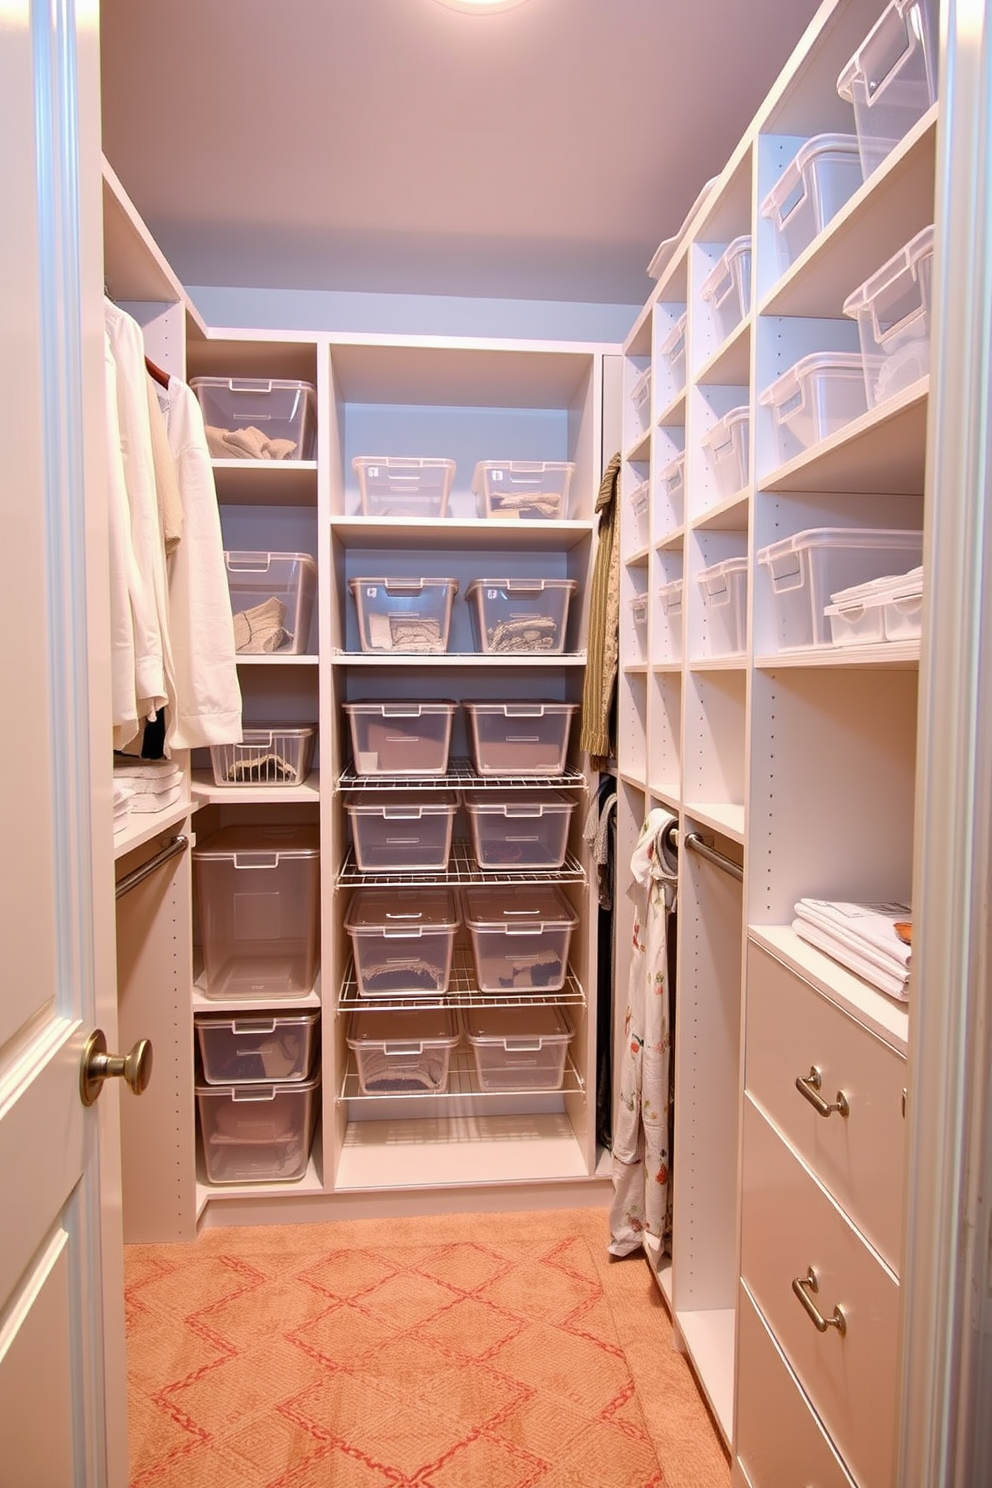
492 594
371 590
374 472
497 475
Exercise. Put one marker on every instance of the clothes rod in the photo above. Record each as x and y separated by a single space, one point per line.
138 875
702 847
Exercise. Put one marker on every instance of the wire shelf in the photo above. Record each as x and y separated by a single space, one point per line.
460 775
462 869
462 992
462 1081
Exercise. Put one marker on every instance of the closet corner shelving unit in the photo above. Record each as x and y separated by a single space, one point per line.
796 766
465 398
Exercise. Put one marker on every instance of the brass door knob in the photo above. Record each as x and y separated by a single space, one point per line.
96 1065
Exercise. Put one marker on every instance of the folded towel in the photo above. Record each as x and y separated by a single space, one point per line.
541 503
149 802
869 929
525 633
892 983
259 629
247 443
382 1072
149 785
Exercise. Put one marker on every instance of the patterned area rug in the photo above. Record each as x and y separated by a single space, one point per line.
454 1352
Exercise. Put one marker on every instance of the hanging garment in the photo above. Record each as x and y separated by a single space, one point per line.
208 695
641 1152
600 833
604 624
124 577
170 504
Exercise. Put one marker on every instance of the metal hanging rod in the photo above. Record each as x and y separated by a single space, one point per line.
138 875
698 844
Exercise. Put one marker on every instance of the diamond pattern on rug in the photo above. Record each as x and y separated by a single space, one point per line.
458 1365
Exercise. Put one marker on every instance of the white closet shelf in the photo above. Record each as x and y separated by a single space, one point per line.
134 266
458 659
673 414
266 482
668 794
462 869
721 816
462 992
882 451
633 777
466 1151
736 663
460 776
894 656
205 790
887 209
463 1082
453 533
307 660
729 515
667 668
636 668
670 540
146 826
708 1335
638 558
257 1005
729 365
640 449
884 1015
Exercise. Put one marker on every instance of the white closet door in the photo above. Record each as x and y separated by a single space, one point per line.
61 1334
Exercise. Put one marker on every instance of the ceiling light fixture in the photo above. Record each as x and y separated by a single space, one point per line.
480 7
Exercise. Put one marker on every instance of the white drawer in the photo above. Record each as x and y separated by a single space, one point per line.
790 1029
780 1441
789 1224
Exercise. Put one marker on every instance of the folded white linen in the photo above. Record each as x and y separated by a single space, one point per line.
868 928
151 802
894 984
148 776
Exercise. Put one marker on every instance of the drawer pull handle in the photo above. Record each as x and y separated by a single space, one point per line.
803 1286
809 1087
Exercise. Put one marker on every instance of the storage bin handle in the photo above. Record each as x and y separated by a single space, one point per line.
249 860
523 586
523 710
249 562
414 914
884 329
403 586
402 813
891 41
523 1046
522 812
401 1051
253 1093
512 912
400 710
398 932
250 384
253 1025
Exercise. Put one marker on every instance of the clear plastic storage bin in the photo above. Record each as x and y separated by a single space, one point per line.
639 619
811 190
520 616
408 616
519 738
258 897
724 590
892 309
892 78
401 831
805 570
520 936
257 1133
265 757
815 398
670 596
272 597
727 287
726 445
672 353
516 830
888 608
639 501
519 1048
402 941
394 486
530 490
671 486
640 397
248 1050
904 607
400 738
257 418
406 1051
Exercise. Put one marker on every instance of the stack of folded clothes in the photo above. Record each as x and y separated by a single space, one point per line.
872 940
122 806
155 785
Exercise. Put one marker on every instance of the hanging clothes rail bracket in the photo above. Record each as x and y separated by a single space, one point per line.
131 880
705 849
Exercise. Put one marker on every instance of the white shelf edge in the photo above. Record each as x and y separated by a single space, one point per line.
358 523
668 417
668 794
725 508
307 659
732 346
901 655
206 792
635 668
783 477
146 826
640 449
638 782
638 558
162 279
234 1005
458 658
708 1336
437 1152
884 1015
667 668
735 663
269 466
673 539
720 816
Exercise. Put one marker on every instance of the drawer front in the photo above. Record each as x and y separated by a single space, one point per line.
780 1442
789 1224
791 1028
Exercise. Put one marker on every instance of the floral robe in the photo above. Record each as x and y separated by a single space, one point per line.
641 1159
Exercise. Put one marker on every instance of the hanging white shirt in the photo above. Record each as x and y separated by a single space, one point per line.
123 573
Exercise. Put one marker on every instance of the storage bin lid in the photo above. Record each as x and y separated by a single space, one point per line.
820 147
522 586
400 805
518 908
275 843
401 709
240 1091
841 537
244 1023
720 270
404 586
919 247
639 608
518 1027
520 709
263 562
404 1030
671 593
842 363
401 913
673 468
889 586
721 433
892 16
254 384
394 463
517 803
674 336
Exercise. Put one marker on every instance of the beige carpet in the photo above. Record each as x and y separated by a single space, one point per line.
468 1351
